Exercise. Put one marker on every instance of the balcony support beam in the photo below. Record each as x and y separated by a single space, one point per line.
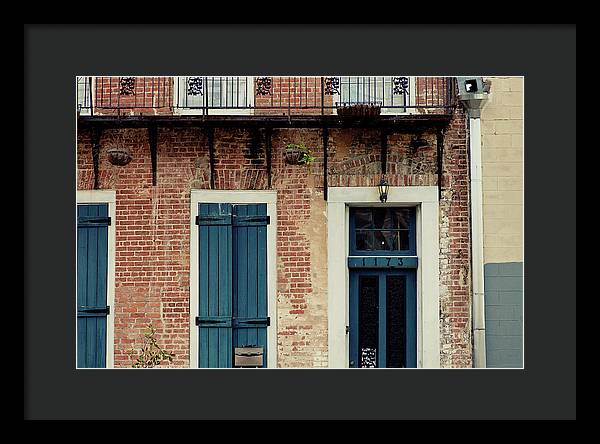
325 156
268 132
384 150
440 159
210 134
152 143
96 134
409 122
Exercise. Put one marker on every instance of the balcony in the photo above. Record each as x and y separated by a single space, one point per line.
246 98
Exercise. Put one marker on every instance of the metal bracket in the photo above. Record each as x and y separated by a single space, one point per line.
93 221
268 155
325 144
96 134
152 143
211 152
440 160
91 311
228 322
384 150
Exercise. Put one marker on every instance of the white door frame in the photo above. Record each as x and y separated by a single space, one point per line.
236 197
425 199
107 197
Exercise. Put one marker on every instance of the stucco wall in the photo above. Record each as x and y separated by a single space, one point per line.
502 128
502 170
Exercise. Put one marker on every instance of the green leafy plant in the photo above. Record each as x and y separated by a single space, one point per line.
299 154
150 354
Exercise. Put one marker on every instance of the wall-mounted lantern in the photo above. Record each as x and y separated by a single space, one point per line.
383 190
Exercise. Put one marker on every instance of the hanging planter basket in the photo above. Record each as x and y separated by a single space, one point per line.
118 155
297 154
293 155
359 109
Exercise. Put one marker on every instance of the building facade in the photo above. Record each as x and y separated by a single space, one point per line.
282 222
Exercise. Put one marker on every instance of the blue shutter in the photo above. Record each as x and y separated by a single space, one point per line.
232 281
215 312
92 275
250 277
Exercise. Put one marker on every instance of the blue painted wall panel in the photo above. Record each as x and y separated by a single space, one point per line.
504 314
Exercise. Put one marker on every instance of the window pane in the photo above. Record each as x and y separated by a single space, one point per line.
363 218
395 325
364 240
403 234
382 218
368 320
386 240
382 229
401 218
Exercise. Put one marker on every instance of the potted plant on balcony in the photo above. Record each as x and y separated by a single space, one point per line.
367 109
298 154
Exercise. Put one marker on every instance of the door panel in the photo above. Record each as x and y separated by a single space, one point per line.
368 321
382 319
233 281
250 277
215 231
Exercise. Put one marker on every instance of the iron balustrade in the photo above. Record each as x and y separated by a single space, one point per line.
263 95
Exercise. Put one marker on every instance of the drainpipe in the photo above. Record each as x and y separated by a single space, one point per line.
473 93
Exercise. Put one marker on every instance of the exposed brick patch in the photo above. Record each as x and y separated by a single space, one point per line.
455 257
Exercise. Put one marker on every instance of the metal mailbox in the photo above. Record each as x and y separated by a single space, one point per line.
248 357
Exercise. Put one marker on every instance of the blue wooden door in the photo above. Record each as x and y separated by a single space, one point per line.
92 278
383 316
233 281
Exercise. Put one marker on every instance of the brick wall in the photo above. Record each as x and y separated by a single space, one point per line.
293 96
455 258
133 95
152 227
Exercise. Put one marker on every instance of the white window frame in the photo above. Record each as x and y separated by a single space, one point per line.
412 86
235 197
214 112
106 197
425 199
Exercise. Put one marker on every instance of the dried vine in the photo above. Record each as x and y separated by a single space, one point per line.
151 354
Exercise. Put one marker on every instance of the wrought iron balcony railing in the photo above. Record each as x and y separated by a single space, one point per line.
248 95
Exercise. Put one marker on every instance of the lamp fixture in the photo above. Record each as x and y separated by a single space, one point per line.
383 189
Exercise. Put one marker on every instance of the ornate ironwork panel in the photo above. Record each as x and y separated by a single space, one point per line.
194 86
127 86
332 85
368 328
400 85
264 85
